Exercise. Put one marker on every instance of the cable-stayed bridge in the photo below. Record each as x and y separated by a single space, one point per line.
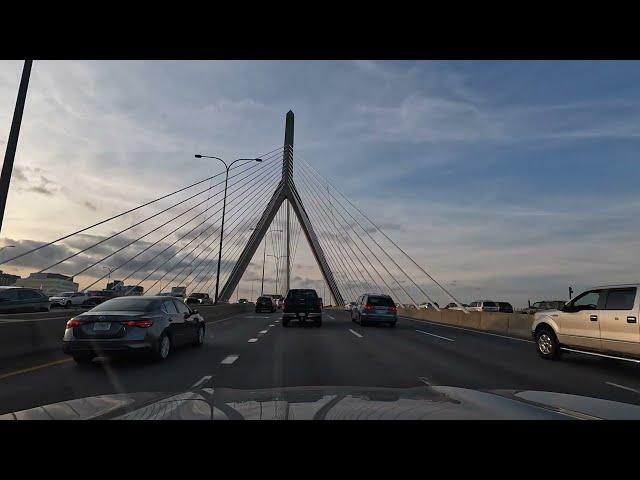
279 201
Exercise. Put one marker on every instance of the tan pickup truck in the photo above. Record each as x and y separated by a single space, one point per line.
602 321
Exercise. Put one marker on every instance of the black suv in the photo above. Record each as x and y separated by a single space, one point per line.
265 304
302 304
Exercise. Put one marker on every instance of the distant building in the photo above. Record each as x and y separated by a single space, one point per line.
7 279
49 283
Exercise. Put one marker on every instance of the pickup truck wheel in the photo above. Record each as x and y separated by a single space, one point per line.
547 343
285 322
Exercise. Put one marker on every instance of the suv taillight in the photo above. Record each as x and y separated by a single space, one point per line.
141 322
368 307
393 309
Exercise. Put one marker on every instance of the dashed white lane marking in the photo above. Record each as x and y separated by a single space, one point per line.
252 340
355 333
332 318
623 387
230 359
467 329
434 335
272 324
201 381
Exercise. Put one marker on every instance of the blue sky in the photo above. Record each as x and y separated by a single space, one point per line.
513 179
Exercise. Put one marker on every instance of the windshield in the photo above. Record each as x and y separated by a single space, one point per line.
233 229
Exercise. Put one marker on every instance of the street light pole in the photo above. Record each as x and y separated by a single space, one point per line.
224 207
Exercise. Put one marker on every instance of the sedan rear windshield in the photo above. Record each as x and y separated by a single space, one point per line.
137 304
381 301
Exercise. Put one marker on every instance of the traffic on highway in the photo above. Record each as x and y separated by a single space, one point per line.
431 241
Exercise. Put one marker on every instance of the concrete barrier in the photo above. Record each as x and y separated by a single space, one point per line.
22 337
512 324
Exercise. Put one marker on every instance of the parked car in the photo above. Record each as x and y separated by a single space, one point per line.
94 300
199 299
602 320
375 309
544 305
483 306
68 299
23 300
243 300
154 325
505 307
409 306
302 304
265 304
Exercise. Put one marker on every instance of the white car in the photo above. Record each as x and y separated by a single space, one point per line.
483 306
68 299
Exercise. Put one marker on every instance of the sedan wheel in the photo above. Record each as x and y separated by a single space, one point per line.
200 339
164 347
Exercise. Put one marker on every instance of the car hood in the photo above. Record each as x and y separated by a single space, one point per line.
334 403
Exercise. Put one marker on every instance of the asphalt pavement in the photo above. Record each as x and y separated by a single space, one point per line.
254 351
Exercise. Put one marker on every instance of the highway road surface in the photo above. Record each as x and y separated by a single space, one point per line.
253 351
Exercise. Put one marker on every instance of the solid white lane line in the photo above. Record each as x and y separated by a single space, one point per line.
434 335
263 331
468 330
201 381
230 359
355 333
623 387
252 340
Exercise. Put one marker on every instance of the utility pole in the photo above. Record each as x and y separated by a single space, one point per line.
14 133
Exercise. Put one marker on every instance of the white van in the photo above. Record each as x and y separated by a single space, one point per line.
602 321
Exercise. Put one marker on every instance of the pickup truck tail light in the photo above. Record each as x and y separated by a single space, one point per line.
284 304
319 303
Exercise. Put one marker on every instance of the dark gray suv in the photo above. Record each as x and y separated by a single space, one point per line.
19 300
153 325
375 309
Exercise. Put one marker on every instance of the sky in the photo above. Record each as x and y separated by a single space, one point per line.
505 180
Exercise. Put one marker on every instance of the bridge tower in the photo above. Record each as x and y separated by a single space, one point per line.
285 191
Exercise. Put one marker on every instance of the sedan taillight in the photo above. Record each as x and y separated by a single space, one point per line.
73 323
141 322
